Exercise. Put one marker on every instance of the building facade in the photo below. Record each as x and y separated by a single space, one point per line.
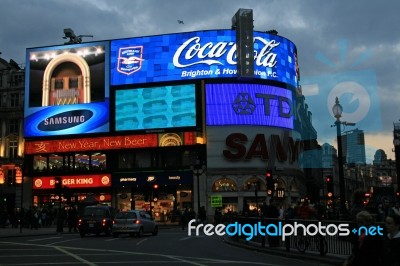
12 80
166 123
353 144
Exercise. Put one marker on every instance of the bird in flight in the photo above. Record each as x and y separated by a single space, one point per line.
180 22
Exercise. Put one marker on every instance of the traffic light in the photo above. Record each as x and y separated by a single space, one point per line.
57 186
329 187
67 194
270 182
155 192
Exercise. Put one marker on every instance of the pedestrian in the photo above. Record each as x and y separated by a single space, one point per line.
368 249
358 204
217 216
395 209
271 212
391 255
305 211
184 217
202 214
72 219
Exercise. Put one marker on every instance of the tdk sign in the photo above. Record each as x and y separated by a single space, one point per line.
249 104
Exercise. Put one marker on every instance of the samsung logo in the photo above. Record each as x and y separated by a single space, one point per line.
65 120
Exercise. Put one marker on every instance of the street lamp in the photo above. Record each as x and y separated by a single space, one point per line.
199 168
337 111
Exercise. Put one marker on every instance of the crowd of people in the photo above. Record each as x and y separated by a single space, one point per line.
35 218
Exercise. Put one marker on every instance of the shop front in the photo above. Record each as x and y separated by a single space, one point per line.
163 194
76 189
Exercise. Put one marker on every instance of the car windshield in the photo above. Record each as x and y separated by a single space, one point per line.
126 215
94 212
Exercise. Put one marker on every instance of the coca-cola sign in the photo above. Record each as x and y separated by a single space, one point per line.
205 54
193 52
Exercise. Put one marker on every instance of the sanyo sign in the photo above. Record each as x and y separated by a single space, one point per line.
242 147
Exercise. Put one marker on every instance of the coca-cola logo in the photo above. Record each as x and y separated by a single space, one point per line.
193 52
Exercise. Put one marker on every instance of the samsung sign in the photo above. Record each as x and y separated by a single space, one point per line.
67 90
68 119
249 104
199 55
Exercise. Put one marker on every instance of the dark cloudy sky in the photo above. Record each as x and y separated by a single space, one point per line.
349 49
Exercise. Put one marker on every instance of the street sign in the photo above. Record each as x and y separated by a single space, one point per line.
216 201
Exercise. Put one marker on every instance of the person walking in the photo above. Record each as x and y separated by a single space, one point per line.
391 253
72 219
184 217
368 249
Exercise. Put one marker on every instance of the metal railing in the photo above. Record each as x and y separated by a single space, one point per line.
337 245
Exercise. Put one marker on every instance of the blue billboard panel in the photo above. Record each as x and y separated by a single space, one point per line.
67 90
199 55
249 104
155 108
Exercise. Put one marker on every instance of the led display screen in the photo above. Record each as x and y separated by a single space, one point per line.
67 90
199 55
249 104
155 108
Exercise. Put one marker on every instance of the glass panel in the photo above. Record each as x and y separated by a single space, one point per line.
39 163
143 159
82 162
55 162
98 161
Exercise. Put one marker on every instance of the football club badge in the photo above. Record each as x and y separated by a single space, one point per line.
130 59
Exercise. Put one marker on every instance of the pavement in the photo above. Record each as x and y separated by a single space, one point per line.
328 259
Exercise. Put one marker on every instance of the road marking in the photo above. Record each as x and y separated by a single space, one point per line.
112 239
189 237
141 241
75 256
40 239
61 241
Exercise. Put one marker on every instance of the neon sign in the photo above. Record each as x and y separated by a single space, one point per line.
198 55
249 104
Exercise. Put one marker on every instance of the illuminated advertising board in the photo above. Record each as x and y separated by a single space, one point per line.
249 104
160 178
155 107
84 181
199 55
67 90
110 143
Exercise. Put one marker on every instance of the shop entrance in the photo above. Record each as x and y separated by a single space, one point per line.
166 206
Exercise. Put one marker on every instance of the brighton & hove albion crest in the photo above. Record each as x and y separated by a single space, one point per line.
130 59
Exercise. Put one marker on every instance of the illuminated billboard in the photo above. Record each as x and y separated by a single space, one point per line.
155 108
248 104
199 55
67 90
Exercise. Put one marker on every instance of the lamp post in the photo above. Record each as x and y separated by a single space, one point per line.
198 169
337 110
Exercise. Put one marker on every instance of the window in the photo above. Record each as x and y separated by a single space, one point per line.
39 163
143 159
224 184
13 148
14 99
13 126
82 162
55 162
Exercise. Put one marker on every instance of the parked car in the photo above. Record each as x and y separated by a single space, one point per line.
95 220
134 222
